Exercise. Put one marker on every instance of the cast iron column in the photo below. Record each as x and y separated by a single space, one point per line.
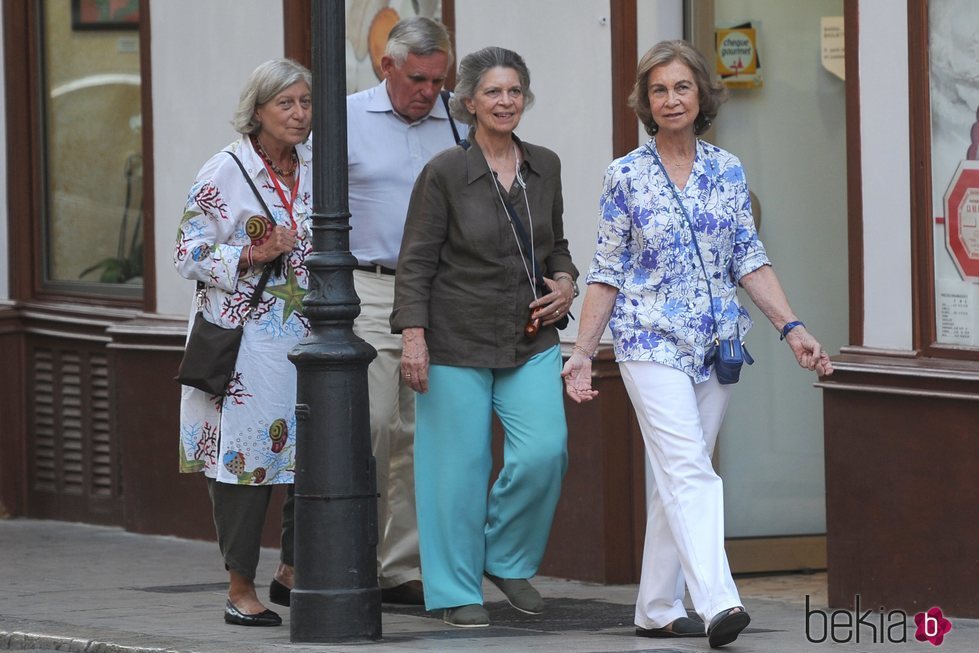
336 596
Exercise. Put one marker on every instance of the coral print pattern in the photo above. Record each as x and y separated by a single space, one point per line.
645 250
237 438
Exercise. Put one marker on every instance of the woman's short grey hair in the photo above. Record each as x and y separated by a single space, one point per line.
265 82
471 70
419 36
711 92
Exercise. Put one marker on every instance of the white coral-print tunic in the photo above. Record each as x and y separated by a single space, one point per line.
249 435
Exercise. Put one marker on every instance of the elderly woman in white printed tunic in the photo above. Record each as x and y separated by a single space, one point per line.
244 441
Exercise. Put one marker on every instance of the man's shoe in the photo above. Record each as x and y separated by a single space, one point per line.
466 616
520 593
681 627
410 593
236 617
726 626
279 593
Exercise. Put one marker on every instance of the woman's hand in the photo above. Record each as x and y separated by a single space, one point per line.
414 359
577 377
280 241
554 305
808 351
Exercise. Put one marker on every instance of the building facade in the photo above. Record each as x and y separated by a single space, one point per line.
108 116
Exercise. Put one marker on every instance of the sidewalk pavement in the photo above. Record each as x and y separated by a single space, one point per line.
92 589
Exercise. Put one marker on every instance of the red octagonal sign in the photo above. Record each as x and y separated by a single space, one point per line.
962 219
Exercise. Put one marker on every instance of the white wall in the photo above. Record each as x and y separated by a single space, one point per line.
886 170
567 48
199 66
656 20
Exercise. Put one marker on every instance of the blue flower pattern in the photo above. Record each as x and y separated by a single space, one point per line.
662 311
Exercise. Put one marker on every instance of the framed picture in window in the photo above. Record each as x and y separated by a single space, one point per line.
104 14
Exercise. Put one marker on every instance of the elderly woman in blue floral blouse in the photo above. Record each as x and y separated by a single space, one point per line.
669 295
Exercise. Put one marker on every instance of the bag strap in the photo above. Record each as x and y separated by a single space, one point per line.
693 236
444 94
267 270
251 184
522 235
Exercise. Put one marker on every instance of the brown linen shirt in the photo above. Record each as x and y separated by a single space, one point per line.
460 274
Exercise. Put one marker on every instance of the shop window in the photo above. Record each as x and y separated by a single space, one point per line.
91 133
945 188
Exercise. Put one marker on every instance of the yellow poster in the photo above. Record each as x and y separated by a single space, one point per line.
738 64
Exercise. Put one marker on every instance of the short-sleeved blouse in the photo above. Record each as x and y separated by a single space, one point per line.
662 311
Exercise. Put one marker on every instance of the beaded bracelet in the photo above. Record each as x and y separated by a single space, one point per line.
589 356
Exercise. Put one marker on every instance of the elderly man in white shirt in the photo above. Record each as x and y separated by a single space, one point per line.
393 130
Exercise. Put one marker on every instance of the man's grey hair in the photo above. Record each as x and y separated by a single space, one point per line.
265 82
472 68
419 36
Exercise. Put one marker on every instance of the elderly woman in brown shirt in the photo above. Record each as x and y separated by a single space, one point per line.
477 305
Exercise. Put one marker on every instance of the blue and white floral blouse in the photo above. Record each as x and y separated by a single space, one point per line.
662 312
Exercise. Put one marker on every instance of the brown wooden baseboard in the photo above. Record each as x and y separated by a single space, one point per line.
753 555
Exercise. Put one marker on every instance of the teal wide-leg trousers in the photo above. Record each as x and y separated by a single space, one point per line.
463 532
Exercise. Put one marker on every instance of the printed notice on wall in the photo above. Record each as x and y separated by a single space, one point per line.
956 308
832 43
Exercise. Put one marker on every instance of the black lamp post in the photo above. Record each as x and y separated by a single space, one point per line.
336 597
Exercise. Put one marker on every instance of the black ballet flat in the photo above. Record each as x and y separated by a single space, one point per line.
681 627
726 626
236 617
279 593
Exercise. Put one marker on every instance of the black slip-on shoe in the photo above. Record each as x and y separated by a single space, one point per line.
279 593
410 593
681 627
236 617
726 626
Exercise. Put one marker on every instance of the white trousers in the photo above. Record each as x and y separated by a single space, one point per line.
685 505
392 408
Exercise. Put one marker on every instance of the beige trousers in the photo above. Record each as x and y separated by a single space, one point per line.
392 408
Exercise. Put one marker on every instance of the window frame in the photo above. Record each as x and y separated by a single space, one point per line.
924 328
26 141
